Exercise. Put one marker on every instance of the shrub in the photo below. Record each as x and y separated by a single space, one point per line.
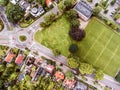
106 11
75 23
73 48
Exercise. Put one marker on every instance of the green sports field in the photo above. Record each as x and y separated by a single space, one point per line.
100 47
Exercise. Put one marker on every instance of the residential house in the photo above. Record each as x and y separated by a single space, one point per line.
48 3
19 59
49 68
80 86
69 83
30 60
37 11
84 10
14 1
24 5
59 76
9 57
38 62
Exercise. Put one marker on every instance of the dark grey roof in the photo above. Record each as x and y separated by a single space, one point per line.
80 86
21 76
84 8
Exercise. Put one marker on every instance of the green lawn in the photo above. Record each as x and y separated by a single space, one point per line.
100 47
56 36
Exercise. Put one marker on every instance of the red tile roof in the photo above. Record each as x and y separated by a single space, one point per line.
69 83
9 57
48 2
19 59
59 76
49 68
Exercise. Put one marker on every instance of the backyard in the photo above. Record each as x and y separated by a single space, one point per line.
100 47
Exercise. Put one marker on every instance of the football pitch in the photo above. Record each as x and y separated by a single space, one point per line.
101 47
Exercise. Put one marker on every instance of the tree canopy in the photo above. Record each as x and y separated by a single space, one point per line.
97 10
71 14
14 13
68 4
73 48
85 68
73 63
69 75
4 2
77 34
99 75
61 6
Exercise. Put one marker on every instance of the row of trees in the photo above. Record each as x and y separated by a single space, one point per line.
85 68
48 19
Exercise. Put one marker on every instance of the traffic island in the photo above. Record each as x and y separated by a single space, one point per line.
22 38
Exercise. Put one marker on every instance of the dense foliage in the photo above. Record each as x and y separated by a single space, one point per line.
72 63
14 13
77 34
69 75
73 48
86 68
99 75
4 2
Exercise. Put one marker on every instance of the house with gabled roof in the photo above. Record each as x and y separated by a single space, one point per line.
19 59
48 3
49 68
69 83
9 57
59 76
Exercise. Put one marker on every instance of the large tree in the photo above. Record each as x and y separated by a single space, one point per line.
68 4
42 2
61 6
14 13
86 68
73 63
97 10
99 75
77 34
4 2
71 14
69 75
73 48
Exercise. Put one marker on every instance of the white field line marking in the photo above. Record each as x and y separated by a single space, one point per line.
104 48
93 44
112 56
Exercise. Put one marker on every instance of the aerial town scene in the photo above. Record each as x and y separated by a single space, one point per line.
59 44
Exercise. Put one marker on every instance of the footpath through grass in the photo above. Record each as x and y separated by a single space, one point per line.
100 47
